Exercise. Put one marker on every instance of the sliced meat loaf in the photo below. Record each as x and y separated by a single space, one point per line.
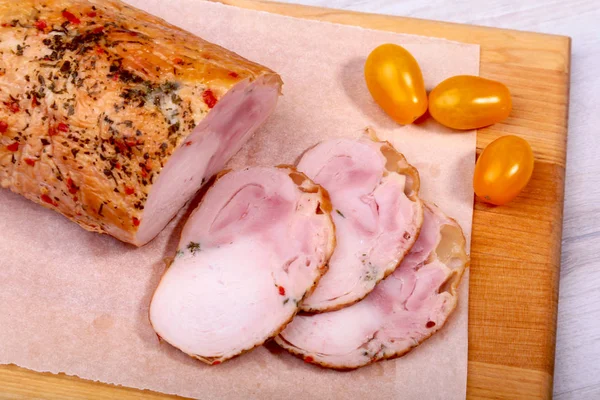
115 118
249 254
403 310
377 215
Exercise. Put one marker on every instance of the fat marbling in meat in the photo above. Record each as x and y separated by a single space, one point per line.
403 310
376 212
248 255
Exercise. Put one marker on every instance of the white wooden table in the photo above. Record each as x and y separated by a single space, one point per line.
577 372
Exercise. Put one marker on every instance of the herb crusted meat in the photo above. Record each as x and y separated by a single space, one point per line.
115 118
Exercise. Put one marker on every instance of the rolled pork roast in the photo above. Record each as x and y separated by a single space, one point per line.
249 254
405 309
376 212
115 118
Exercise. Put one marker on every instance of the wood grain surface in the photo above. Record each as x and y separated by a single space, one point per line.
515 248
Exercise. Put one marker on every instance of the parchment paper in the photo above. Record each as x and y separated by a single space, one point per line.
77 302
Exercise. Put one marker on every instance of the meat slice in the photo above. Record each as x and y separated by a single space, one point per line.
248 255
377 215
403 310
115 118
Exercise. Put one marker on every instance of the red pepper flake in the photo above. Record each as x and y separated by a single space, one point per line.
13 147
209 98
282 290
233 74
63 127
13 106
121 146
216 362
144 173
148 166
30 161
5 25
115 77
308 359
178 61
3 127
75 200
118 165
131 142
99 29
136 222
188 143
34 102
41 24
133 33
129 190
52 131
99 50
430 324
46 199
71 18
71 186
92 14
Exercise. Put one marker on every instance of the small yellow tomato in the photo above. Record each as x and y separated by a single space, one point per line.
503 169
469 102
396 83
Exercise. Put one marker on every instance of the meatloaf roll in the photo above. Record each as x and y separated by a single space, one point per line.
115 118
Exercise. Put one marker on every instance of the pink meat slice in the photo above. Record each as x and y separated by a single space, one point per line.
403 310
248 255
377 215
206 151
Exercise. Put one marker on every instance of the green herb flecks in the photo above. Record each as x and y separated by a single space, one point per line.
371 273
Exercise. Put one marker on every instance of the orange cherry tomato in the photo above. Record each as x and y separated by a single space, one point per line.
503 170
395 81
469 102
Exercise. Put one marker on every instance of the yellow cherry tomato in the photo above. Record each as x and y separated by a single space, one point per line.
396 83
469 102
503 170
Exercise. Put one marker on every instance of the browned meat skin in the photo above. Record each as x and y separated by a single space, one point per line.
95 96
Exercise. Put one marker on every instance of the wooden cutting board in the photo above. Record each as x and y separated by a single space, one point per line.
515 248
